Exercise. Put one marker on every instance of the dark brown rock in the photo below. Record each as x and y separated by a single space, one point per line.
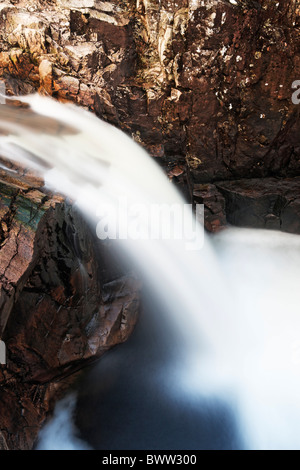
265 203
206 82
214 206
269 203
58 312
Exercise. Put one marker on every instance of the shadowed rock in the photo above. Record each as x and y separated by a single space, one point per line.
61 307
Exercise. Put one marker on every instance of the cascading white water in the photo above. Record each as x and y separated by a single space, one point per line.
233 303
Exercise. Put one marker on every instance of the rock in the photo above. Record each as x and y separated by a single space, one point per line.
207 85
76 3
61 306
82 56
207 82
215 209
67 87
24 30
46 76
269 203
264 203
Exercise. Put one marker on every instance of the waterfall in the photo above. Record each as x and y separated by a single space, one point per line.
230 300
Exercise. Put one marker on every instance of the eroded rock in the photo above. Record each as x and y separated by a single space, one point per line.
207 82
269 203
58 311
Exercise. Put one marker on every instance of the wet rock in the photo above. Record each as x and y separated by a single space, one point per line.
58 311
265 203
215 209
269 203
209 82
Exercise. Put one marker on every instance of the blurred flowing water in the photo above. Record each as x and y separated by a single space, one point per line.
214 361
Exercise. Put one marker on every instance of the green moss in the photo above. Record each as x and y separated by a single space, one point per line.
22 208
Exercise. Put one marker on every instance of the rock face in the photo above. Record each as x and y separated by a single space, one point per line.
58 312
204 83
266 203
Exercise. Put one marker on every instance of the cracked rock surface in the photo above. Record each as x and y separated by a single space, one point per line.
206 88
58 311
206 85
266 203
207 81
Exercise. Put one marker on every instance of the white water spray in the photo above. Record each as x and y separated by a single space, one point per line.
234 305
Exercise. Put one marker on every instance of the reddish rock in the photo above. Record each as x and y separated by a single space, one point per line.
214 206
61 306
206 82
